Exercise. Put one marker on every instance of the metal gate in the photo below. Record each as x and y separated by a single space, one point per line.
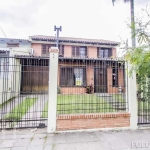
143 100
23 91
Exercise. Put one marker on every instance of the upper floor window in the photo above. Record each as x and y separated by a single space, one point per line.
79 51
46 47
104 52
61 50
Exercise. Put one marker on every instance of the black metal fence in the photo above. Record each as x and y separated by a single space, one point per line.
84 86
23 91
143 92
91 86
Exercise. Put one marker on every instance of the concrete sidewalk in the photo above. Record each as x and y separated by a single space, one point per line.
26 139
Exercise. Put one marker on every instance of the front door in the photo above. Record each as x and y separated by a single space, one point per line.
100 80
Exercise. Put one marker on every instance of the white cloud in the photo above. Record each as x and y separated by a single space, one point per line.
86 18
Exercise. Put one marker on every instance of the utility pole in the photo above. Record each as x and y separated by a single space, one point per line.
57 29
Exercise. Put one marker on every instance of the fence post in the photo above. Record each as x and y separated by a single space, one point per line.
132 98
52 105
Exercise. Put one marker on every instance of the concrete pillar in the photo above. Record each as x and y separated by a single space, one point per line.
52 105
132 99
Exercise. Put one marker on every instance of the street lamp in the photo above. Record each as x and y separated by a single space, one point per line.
57 29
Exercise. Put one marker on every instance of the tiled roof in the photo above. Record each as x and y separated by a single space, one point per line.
74 40
66 58
4 39
4 49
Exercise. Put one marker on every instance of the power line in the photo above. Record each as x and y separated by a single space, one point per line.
3 32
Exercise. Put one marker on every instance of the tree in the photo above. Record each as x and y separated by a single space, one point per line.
139 56
132 20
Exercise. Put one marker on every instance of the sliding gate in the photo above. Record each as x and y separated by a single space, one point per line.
23 92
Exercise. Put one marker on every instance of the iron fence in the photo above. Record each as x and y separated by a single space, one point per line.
143 94
23 91
84 86
91 86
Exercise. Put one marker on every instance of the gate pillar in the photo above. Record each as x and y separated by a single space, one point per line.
52 105
132 98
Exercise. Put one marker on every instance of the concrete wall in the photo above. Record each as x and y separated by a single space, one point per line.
10 84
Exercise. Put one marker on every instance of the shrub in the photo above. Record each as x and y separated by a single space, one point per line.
58 90
89 89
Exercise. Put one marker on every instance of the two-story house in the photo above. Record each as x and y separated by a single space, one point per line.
83 62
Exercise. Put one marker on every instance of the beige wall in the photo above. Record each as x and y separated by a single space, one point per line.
114 53
67 51
92 52
37 49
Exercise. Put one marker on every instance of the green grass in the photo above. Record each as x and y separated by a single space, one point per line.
119 98
21 109
86 103
7 102
144 105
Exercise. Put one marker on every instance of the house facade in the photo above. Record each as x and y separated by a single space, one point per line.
83 62
10 68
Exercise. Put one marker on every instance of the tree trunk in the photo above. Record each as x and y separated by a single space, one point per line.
132 23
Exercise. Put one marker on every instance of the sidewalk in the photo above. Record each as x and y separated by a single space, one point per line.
24 139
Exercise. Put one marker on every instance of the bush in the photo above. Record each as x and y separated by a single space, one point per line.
89 89
58 90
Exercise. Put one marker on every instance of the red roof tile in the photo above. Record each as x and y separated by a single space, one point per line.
71 39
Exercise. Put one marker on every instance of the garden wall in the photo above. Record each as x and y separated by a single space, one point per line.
92 121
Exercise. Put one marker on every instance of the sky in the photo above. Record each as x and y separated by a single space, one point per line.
97 19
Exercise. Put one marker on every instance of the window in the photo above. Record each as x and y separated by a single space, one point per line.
61 50
46 47
115 77
12 44
72 76
79 51
104 52
4 65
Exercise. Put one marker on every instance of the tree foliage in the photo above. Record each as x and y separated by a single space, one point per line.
139 56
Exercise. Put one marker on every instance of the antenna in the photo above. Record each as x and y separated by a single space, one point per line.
57 29
3 31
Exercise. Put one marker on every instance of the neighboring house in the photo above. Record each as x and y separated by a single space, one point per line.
10 68
106 74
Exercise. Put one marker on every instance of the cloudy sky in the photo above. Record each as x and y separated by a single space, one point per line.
78 18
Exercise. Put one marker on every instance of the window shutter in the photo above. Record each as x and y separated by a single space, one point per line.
77 52
98 52
109 52
85 51
61 50
73 51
